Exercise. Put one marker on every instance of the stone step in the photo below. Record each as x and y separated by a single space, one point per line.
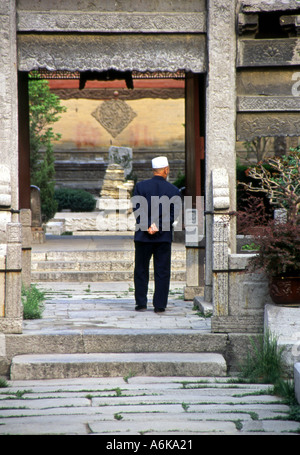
87 266
92 276
95 255
106 341
97 265
60 366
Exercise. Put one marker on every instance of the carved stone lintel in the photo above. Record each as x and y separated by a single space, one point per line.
103 22
125 52
123 94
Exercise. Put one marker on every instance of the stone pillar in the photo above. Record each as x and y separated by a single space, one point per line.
220 238
37 229
10 227
25 218
194 247
220 115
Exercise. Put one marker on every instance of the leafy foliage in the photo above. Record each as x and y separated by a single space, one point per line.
44 108
33 302
74 200
180 181
278 241
279 249
253 215
264 362
281 182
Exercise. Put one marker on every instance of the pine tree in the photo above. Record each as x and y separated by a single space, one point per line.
44 108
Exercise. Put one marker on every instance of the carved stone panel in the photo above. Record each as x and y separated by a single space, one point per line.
114 116
263 103
111 6
268 102
267 124
95 52
268 52
62 21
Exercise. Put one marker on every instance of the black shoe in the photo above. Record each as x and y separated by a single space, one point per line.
159 310
140 308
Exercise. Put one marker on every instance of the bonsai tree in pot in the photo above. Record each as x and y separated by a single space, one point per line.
278 240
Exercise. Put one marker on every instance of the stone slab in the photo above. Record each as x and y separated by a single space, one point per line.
284 323
92 365
205 307
190 292
156 427
114 340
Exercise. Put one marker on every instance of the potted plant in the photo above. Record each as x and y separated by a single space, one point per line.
278 240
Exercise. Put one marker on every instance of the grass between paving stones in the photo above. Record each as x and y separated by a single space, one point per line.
120 392
265 364
283 388
33 302
98 294
3 383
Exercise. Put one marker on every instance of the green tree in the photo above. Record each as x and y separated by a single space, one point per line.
44 108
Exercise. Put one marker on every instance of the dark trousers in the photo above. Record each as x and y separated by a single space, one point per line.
161 252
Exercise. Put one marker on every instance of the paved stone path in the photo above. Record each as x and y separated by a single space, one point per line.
104 305
141 405
169 406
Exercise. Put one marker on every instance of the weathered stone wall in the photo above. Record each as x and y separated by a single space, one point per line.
10 227
152 124
220 116
268 64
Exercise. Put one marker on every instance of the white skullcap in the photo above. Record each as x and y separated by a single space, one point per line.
160 162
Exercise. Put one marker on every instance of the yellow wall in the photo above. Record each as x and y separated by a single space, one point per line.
159 123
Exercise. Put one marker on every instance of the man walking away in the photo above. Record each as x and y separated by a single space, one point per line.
156 204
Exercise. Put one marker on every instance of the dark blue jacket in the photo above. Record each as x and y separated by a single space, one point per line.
160 209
